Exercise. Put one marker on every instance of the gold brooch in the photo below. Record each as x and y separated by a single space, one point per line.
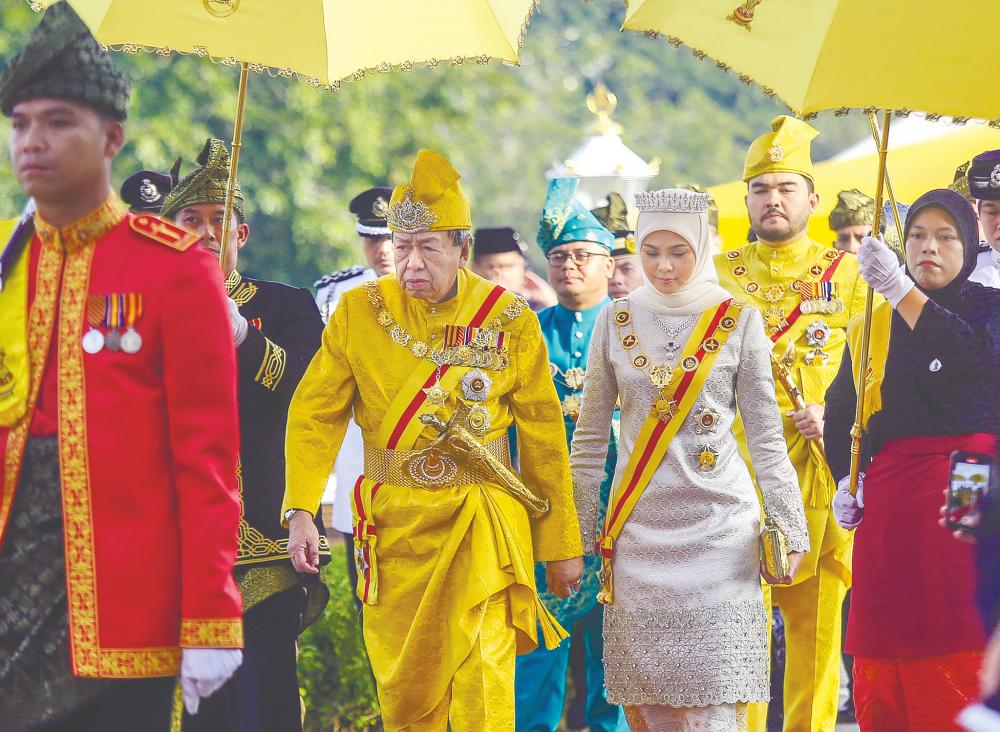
707 457
776 153
409 216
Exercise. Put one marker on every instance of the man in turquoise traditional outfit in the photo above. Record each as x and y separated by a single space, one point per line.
578 249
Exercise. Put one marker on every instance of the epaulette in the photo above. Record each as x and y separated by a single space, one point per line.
339 276
164 232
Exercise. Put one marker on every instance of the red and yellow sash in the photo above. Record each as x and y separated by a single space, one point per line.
878 352
658 431
401 425
365 539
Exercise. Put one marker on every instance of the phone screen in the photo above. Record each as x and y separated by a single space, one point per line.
970 479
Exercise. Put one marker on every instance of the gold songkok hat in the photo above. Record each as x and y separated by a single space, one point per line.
783 150
853 208
432 201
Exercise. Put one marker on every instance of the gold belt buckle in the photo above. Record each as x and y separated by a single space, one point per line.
431 469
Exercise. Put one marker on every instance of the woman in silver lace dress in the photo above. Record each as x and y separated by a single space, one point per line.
685 633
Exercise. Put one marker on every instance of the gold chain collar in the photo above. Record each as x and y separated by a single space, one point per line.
455 355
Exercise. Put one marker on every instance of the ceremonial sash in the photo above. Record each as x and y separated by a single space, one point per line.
878 352
401 425
794 329
14 362
365 539
658 432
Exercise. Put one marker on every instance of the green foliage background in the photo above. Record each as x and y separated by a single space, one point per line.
307 152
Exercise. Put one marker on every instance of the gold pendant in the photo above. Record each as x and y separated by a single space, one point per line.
660 375
774 293
575 377
571 406
707 457
775 319
478 420
436 395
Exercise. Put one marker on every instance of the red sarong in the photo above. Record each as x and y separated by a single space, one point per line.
914 694
914 584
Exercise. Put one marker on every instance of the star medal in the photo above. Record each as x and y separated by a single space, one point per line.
131 341
575 377
478 419
818 333
476 386
660 375
571 406
706 421
816 356
436 395
665 409
707 457
775 319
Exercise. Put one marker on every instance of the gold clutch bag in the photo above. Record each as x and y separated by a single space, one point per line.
774 550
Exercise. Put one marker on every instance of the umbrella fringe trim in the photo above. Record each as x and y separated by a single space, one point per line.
287 73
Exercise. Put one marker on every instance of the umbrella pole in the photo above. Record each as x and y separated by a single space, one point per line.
234 162
857 432
888 181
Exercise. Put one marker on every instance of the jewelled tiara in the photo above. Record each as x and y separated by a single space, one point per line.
672 200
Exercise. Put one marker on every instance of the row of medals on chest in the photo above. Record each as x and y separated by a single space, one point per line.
662 375
816 298
485 349
111 321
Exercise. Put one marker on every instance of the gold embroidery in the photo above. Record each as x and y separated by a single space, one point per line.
272 366
40 322
238 289
260 583
87 230
132 663
212 632
81 576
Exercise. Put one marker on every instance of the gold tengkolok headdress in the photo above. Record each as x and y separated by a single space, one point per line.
205 184
432 201
853 208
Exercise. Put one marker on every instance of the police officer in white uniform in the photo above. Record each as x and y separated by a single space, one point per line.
984 186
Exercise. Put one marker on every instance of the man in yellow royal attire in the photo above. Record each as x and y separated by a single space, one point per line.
436 364
807 293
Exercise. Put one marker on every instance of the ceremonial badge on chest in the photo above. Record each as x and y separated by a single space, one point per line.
575 378
665 409
476 386
436 395
478 420
820 298
571 406
707 457
775 320
817 335
706 421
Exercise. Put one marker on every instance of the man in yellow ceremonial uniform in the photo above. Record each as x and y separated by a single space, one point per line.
436 364
807 293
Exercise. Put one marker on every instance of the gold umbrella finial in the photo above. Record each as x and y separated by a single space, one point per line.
602 103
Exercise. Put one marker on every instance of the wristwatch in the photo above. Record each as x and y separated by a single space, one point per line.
291 512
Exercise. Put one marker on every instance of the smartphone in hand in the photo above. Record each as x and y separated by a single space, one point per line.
969 482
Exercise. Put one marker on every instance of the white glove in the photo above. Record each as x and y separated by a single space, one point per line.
238 322
848 509
882 271
204 670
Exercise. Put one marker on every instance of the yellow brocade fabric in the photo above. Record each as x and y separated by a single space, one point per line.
14 367
782 266
441 553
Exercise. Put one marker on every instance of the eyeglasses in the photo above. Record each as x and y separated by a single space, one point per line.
558 259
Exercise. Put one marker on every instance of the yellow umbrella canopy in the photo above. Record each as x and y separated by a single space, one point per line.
916 167
923 55
324 41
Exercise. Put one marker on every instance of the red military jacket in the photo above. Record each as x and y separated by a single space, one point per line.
148 440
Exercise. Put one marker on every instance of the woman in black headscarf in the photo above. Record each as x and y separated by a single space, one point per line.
913 625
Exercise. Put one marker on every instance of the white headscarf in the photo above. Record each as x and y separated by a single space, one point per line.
685 213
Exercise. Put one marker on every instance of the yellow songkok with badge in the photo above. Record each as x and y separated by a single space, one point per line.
786 149
433 200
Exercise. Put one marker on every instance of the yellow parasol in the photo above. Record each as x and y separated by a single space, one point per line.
323 42
808 53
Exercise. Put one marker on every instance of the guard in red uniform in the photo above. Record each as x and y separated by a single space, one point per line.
118 422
